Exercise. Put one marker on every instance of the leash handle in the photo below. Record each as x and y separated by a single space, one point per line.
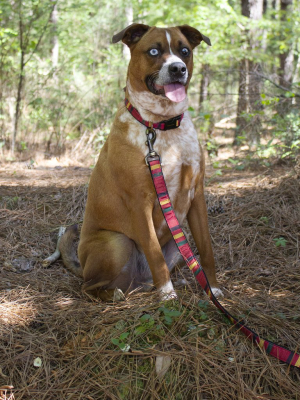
273 349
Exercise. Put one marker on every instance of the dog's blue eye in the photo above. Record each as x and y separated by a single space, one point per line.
153 52
185 51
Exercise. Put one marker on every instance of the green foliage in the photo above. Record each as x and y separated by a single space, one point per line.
264 219
287 132
121 341
149 326
80 95
238 164
10 203
280 242
212 147
169 315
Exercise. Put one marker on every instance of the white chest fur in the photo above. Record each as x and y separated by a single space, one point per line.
177 147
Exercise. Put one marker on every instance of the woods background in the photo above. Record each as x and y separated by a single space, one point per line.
61 79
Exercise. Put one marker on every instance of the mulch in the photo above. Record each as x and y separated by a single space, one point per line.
58 343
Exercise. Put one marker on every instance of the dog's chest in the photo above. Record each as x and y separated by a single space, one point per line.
180 154
177 148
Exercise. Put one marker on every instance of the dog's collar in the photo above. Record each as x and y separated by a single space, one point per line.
171 123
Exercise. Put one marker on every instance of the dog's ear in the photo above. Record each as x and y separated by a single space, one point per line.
131 35
193 35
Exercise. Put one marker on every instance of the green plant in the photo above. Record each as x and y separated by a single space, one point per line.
264 219
23 145
169 316
238 164
212 147
147 321
280 242
148 325
121 342
286 134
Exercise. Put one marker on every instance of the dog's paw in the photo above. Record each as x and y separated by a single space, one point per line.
169 296
167 292
217 292
118 295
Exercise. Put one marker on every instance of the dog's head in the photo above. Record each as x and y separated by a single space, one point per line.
161 59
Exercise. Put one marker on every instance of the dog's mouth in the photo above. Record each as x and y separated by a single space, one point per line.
175 91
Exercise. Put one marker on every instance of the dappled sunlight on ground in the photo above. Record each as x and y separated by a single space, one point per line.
44 313
13 313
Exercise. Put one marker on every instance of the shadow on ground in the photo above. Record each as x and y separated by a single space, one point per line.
44 315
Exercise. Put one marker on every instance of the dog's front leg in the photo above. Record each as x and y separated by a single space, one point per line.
147 240
198 222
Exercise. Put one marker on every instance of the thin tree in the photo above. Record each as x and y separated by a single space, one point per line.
25 30
55 43
204 83
287 57
249 81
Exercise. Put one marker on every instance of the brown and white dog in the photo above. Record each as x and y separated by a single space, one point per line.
125 242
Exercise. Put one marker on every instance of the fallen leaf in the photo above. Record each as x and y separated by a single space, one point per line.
162 365
22 264
37 362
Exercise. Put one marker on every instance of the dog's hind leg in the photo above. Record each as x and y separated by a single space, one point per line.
172 255
142 273
103 255
67 248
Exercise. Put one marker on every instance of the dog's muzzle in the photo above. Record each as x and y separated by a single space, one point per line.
170 81
177 71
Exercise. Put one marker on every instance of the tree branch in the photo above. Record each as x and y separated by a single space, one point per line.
40 38
276 84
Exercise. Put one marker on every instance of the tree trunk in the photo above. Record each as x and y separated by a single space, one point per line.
296 78
20 83
242 106
55 43
1 103
255 125
204 84
129 21
286 59
265 6
24 40
18 103
249 83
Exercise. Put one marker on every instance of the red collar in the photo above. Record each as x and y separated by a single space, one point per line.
163 125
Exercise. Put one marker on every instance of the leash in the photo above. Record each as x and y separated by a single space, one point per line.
153 161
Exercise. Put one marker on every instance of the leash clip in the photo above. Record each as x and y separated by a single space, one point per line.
151 137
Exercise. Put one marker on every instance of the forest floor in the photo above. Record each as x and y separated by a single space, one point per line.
58 343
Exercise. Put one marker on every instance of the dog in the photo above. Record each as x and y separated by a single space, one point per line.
125 242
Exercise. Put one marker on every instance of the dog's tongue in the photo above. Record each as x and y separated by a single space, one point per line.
175 92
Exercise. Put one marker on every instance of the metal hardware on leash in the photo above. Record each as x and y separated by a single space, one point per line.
151 137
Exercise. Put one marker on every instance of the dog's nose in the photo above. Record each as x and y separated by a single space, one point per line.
177 69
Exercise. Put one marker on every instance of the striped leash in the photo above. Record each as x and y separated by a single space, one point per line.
153 161
273 349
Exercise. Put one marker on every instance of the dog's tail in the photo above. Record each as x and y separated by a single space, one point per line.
66 248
